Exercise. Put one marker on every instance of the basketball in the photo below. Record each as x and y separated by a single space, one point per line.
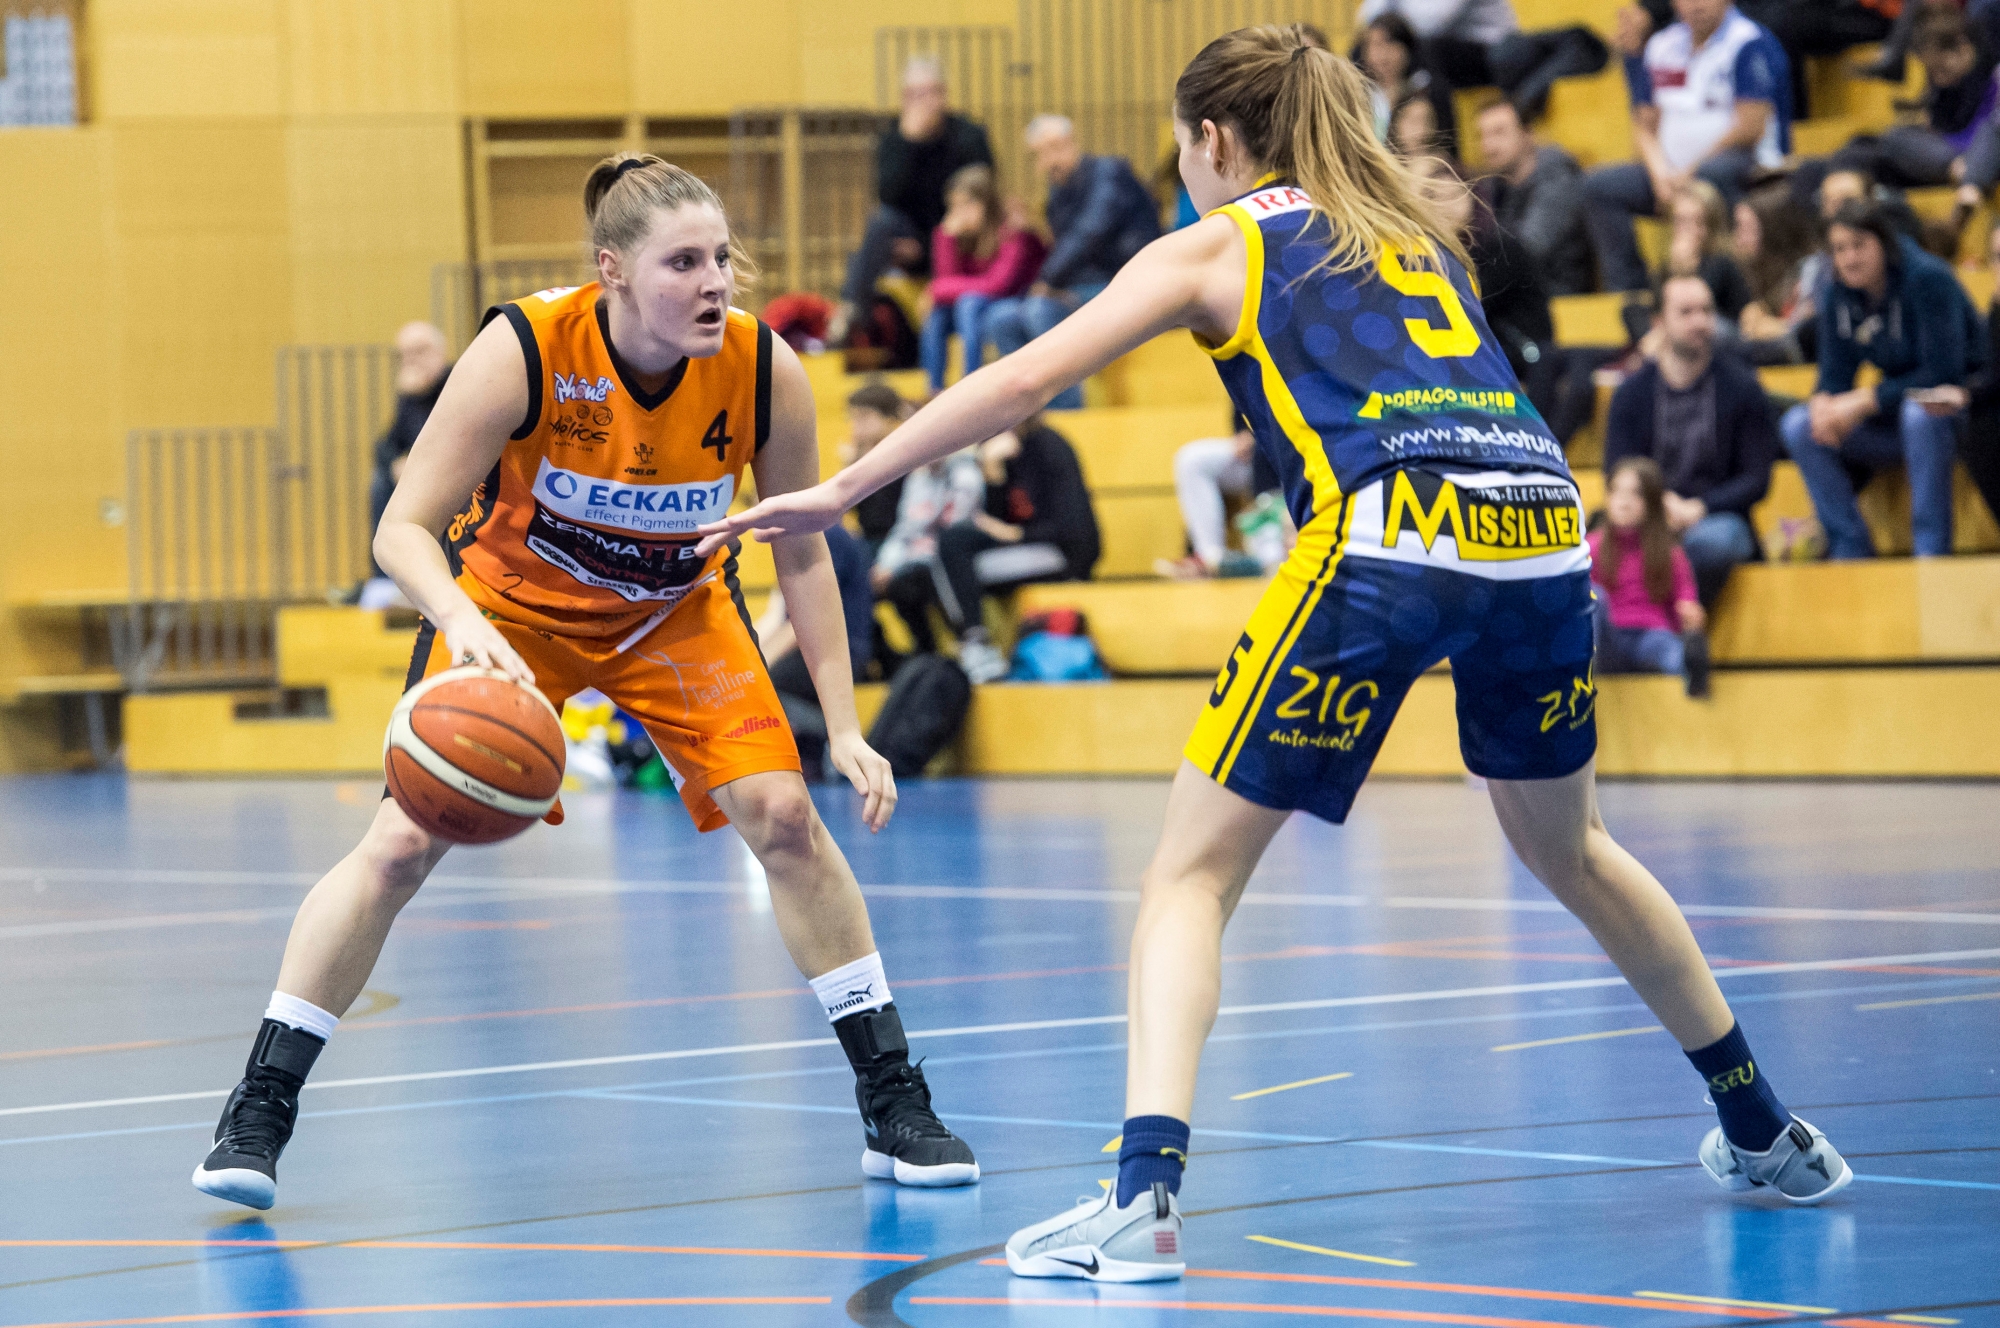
473 756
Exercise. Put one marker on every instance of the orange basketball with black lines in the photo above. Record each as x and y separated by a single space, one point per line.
473 756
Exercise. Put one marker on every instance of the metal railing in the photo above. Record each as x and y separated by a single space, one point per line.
801 186
226 525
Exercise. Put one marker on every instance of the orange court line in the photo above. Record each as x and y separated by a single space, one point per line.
80 1051
860 1255
1249 1307
334 1310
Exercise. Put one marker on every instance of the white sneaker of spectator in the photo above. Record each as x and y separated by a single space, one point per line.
981 662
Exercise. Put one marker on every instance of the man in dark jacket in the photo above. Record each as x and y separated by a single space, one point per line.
1100 215
1706 422
1536 191
1037 525
913 159
1892 305
422 364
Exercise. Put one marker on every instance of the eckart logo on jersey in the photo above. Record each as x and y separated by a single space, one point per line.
1488 523
575 387
648 509
1440 401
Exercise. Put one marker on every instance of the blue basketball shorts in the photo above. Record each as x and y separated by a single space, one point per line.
1486 569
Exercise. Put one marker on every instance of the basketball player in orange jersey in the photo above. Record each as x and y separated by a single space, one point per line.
545 527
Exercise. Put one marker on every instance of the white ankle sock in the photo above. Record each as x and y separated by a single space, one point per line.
302 1015
852 988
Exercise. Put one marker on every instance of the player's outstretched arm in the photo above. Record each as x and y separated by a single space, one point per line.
787 464
482 403
1192 278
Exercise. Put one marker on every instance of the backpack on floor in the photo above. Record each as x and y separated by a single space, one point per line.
927 702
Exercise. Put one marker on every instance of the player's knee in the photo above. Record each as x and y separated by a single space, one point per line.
398 855
779 821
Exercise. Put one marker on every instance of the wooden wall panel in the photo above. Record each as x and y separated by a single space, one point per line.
358 268
382 57
756 71
187 57
529 57
60 366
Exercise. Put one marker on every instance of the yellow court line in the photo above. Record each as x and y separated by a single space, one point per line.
1302 1083
1931 1000
1580 1037
1117 1142
1917 1318
1746 1304
1338 1254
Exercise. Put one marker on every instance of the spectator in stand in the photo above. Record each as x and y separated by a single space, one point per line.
1894 306
423 362
873 412
1033 522
1958 143
935 498
976 257
1802 28
1979 446
1413 131
1710 100
1703 420
1386 51
913 160
1698 245
1099 214
1649 619
1479 43
780 645
1771 241
1206 472
1536 192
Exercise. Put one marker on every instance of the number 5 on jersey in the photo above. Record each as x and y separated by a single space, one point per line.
1459 337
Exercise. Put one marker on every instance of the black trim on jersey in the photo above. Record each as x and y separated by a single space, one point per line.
735 588
421 656
627 375
763 385
532 351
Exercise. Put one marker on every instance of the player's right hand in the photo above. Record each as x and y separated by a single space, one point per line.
473 640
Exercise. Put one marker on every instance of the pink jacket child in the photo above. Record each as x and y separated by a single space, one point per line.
1011 270
1629 606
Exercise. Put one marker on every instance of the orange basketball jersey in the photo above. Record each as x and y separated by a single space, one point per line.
586 527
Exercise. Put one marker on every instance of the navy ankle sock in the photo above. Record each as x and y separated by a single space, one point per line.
1752 1117
1155 1149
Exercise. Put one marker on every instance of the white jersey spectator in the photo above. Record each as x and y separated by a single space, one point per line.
1469 20
1696 86
1711 100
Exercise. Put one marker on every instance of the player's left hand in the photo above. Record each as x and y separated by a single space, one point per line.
803 512
869 772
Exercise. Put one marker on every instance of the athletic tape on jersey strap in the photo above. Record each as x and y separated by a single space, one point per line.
403 737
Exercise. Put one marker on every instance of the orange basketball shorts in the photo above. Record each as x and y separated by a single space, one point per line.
696 680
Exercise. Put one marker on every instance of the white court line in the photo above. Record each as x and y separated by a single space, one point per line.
213 917
971 1030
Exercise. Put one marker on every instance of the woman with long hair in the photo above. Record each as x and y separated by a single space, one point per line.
545 528
977 256
1437 520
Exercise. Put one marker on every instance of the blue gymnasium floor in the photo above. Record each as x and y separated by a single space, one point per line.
587 1088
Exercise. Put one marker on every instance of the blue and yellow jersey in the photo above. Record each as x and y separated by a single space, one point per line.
1345 377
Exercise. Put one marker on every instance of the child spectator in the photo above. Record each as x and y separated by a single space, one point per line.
1649 619
1033 523
977 258
1894 306
934 498
1206 470
873 412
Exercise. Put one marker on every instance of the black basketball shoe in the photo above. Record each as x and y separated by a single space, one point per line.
258 1118
907 1143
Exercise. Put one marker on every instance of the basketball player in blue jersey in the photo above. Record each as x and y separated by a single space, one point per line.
1437 520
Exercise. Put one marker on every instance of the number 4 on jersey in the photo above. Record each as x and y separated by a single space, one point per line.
717 436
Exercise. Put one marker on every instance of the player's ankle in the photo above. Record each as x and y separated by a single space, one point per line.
1153 1151
283 1056
1752 1116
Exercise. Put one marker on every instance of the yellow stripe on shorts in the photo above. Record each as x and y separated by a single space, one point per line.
1281 614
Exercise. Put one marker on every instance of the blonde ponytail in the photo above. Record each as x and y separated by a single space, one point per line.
1304 113
623 192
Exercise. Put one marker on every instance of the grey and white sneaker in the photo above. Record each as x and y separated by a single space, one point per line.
1099 1242
1800 1164
982 662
